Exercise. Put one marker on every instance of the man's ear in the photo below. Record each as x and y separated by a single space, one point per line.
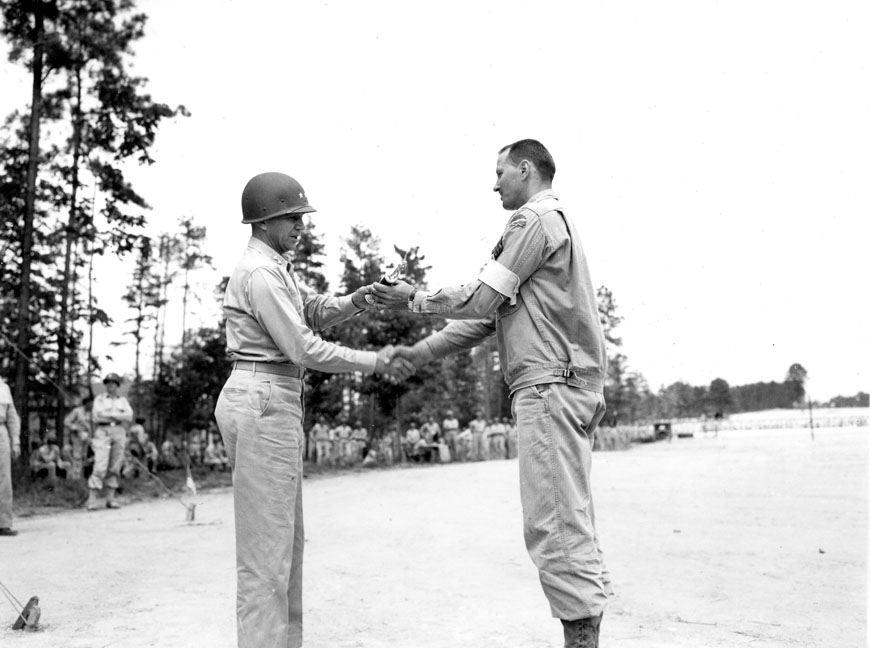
525 169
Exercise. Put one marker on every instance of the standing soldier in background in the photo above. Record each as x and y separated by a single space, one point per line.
111 413
272 322
496 445
463 444
321 434
536 296
78 426
477 425
431 431
510 438
450 426
10 449
360 438
341 435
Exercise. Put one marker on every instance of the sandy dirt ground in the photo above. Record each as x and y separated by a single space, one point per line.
754 538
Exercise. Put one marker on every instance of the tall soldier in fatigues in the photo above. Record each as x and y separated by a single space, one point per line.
536 296
272 325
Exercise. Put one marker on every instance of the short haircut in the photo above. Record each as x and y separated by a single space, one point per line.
534 152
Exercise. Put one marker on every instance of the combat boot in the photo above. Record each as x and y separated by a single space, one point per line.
92 499
582 633
111 502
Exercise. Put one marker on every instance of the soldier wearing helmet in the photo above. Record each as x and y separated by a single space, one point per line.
270 322
111 414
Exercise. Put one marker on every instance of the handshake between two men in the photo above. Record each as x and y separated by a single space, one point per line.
397 363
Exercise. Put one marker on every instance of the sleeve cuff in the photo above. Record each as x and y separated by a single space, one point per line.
369 361
346 303
423 352
416 306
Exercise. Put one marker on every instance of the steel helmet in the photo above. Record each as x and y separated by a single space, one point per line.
272 194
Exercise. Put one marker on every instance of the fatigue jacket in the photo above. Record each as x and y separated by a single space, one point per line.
535 295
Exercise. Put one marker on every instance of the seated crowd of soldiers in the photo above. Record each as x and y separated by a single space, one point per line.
337 444
74 457
480 440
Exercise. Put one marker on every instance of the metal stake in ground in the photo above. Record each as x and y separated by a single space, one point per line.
28 616
190 508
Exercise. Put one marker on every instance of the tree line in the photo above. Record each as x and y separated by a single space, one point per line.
65 200
64 197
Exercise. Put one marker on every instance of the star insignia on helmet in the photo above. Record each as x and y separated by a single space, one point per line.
301 195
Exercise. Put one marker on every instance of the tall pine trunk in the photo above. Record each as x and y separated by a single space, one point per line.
23 357
71 237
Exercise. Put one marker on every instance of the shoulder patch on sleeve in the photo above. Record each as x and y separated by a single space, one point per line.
518 220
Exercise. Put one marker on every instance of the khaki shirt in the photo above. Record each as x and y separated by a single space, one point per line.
79 420
477 426
273 318
321 432
9 415
450 425
107 409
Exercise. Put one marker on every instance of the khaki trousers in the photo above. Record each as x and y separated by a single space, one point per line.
108 443
260 420
5 479
556 426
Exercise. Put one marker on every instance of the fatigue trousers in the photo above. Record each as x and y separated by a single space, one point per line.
260 420
496 446
322 449
478 449
5 479
555 427
108 443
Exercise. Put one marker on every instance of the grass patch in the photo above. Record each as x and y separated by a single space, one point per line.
35 497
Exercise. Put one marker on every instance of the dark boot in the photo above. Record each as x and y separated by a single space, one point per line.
582 633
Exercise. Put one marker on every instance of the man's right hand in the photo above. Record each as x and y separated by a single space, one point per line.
397 368
407 353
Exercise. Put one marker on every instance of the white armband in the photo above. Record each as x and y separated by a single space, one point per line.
500 279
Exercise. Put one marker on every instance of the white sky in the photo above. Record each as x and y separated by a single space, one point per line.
714 154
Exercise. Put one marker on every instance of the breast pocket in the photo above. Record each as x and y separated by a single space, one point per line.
507 309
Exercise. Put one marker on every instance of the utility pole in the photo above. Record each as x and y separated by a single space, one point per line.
810 403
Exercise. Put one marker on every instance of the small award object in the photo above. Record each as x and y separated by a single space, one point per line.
392 278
